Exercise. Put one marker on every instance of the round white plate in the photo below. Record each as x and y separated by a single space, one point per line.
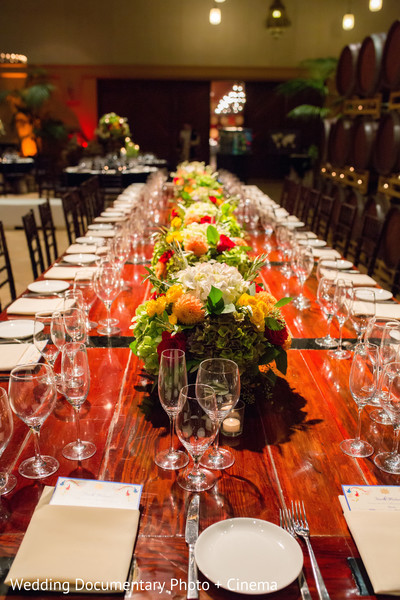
99 226
48 286
18 329
79 259
338 264
90 239
313 243
294 224
110 213
380 295
249 556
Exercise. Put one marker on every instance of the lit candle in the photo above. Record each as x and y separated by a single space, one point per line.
231 425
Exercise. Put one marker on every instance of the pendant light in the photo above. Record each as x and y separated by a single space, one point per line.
277 19
215 16
375 5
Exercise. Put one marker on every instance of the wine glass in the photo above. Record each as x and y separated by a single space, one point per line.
120 248
75 375
49 335
390 401
303 264
362 310
197 425
223 376
389 351
8 481
107 286
342 302
33 395
327 267
363 383
172 377
325 295
75 323
83 283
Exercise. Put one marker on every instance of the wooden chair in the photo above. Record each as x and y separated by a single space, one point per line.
344 228
311 208
367 244
111 186
49 232
6 274
322 220
386 258
72 214
92 198
290 195
33 241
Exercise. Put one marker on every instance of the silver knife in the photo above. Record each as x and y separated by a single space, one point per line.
191 535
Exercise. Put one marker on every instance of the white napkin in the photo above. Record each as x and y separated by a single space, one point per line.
357 279
12 355
104 233
81 249
64 272
325 253
109 219
377 536
30 306
391 310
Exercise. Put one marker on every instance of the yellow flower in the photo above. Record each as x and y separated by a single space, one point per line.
151 308
188 310
156 307
173 293
176 222
257 318
266 297
173 319
244 300
174 236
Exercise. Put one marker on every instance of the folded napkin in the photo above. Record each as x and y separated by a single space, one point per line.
30 306
81 249
65 272
325 253
104 233
391 310
76 545
377 537
109 219
357 279
12 355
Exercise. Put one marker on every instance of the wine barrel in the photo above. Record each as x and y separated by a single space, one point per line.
378 206
363 143
346 71
339 142
387 144
391 58
369 64
323 137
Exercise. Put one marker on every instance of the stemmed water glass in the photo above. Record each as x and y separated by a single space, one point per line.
49 335
120 248
83 283
325 295
342 302
172 377
363 383
362 310
33 396
389 351
75 323
75 375
390 400
107 284
302 263
284 238
222 375
7 480
197 424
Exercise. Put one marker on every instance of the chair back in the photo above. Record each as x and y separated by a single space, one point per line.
49 232
6 274
34 245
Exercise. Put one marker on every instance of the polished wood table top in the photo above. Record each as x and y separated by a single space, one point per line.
289 449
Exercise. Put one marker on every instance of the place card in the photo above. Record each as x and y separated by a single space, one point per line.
372 497
94 493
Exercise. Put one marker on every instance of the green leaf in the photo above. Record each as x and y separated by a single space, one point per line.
212 235
215 295
281 361
283 302
273 324
215 304
228 308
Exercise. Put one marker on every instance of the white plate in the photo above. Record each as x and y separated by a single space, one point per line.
89 239
380 295
293 224
100 226
79 259
249 556
48 286
313 243
110 213
19 329
337 264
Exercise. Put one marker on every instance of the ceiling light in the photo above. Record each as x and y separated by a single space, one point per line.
215 16
277 19
375 5
348 21
219 1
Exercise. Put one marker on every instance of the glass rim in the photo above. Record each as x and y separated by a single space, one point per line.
193 396
227 361
178 350
30 367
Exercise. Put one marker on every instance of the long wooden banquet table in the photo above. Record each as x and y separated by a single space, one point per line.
289 450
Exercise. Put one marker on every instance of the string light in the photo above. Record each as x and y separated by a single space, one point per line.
233 102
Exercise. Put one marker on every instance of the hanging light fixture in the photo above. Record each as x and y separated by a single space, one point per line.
277 19
348 18
219 1
215 16
375 5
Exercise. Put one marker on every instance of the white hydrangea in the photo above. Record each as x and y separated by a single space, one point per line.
200 209
199 278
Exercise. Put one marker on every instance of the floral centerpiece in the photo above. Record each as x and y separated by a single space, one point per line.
112 126
210 309
196 182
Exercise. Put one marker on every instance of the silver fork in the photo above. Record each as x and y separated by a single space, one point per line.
285 521
300 526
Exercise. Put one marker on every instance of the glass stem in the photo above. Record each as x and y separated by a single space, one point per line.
358 438
38 456
396 439
171 434
329 322
340 336
216 441
78 425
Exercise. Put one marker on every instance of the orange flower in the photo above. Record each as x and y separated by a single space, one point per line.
197 244
188 310
160 270
239 241
192 219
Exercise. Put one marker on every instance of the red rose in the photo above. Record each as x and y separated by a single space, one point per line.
213 199
164 258
170 340
276 338
207 219
174 213
225 243
259 288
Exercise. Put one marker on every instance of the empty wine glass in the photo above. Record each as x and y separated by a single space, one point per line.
172 377
222 375
197 424
107 286
33 395
390 401
75 323
8 481
83 283
342 302
363 383
302 263
284 238
120 248
49 335
389 351
362 310
325 295
75 375
328 268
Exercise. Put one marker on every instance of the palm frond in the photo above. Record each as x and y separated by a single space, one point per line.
308 111
301 84
36 95
320 68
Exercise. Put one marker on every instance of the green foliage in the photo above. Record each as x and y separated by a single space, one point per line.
212 235
36 95
308 111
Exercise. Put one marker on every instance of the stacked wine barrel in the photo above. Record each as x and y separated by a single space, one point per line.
359 142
